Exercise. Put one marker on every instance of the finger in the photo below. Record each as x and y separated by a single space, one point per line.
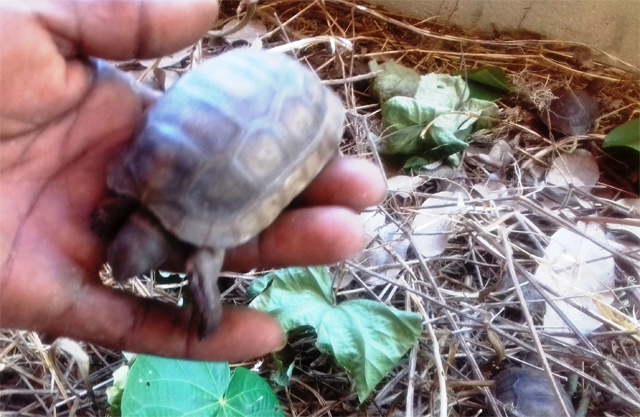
306 236
122 321
118 29
42 75
349 182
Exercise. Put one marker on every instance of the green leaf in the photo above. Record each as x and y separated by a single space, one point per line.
437 123
483 92
627 135
366 337
249 395
404 119
394 80
115 391
481 112
171 387
405 141
442 92
444 143
494 77
283 363
488 83
312 295
257 286
402 112
416 163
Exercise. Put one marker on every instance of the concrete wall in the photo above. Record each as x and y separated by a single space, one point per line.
610 25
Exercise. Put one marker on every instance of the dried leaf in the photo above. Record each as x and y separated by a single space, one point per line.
386 243
501 151
492 188
627 229
402 188
633 204
372 221
623 321
577 268
434 223
578 168
250 33
573 112
583 57
404 183
75 351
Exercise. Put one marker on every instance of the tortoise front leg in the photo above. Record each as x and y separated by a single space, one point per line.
203 269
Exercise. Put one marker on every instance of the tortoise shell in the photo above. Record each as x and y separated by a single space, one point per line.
229 146
528 392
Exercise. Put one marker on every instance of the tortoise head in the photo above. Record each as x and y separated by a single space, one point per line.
139 246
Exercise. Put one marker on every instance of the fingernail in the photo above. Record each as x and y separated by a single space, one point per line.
284 340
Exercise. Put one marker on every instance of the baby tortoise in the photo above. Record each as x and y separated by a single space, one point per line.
526 392
216 160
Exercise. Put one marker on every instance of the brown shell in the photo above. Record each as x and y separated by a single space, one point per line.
230 145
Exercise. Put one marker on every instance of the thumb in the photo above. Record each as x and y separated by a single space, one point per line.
116 29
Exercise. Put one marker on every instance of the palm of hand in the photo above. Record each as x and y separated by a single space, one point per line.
52 178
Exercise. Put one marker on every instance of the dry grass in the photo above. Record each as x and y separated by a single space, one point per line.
476 319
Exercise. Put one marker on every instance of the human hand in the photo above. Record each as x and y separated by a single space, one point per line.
62 123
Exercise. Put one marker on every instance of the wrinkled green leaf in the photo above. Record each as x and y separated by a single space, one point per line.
437 123
404 119
406 141
409 134
365 337
444 143
482 112
171 387
395 80
297 297
627 135
442 92
402 112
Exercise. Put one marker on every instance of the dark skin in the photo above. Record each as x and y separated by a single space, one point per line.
61 124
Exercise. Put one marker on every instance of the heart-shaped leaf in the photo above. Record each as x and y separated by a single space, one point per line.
365 337
170 387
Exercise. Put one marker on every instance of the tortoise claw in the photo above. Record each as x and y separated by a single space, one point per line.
203 269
